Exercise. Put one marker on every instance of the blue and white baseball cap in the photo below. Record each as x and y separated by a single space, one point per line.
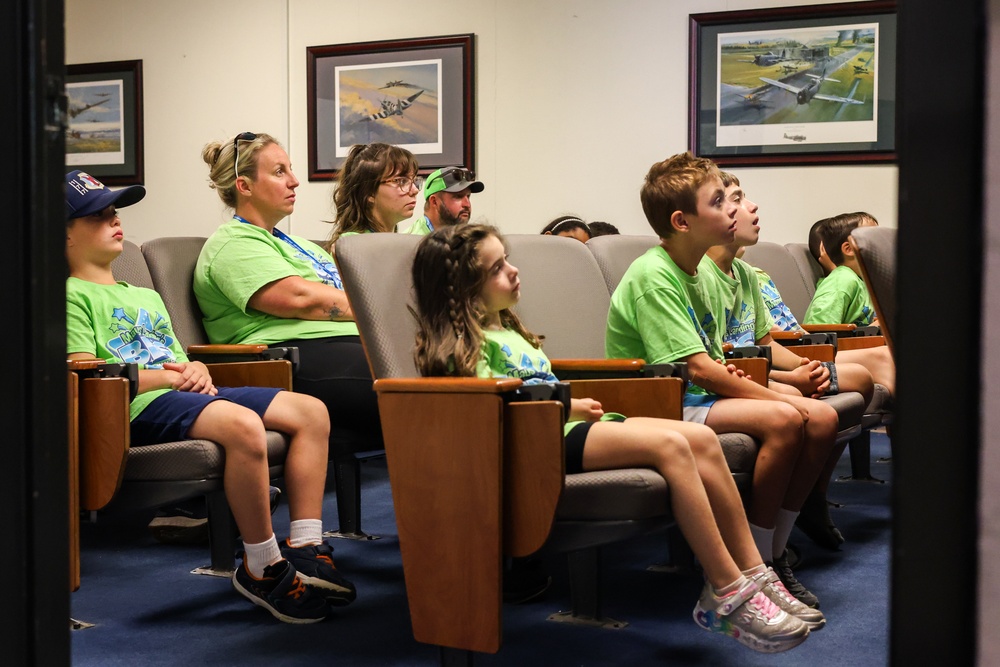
85 195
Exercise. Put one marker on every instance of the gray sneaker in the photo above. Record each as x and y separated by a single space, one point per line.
772 587
751 618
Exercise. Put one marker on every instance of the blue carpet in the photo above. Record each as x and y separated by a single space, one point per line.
149 610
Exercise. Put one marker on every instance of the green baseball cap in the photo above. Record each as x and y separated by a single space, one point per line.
451 179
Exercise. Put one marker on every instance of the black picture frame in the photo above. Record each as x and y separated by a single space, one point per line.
830 91
428 109
104 126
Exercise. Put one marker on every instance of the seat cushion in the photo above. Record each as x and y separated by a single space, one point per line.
188 460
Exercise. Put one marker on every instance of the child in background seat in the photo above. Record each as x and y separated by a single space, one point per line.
465 289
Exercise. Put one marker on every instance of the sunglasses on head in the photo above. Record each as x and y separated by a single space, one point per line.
244 136
454 175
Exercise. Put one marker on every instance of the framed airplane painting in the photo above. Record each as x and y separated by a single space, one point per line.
814 84
104 120
414 93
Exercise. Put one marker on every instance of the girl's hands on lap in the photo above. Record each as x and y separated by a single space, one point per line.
585 409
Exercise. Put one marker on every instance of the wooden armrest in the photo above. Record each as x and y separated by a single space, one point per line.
823 328
473 479
786 335
277 373
226 349
447 385
103 414
636 397
860 342
756 367
602 365
817 352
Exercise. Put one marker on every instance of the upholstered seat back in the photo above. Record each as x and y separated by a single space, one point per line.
378 266
171 262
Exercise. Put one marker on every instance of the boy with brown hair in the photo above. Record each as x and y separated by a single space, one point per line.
670 307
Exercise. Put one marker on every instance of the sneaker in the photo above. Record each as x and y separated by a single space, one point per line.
772 587
281 592
792 585
315 566
749 617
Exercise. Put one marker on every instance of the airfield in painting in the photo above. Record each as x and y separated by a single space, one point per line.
744 99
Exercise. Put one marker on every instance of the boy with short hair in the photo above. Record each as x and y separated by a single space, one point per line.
670 307
841 297
790 372
177 400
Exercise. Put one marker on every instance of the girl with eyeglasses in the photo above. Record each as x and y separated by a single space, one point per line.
377 190
256 284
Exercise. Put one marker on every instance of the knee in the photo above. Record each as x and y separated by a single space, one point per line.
783 425
312 415
703 442
673 449
245 433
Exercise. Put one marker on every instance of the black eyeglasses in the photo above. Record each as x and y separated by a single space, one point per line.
245 136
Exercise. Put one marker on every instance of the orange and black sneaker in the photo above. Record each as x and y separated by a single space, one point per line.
314 564
282 593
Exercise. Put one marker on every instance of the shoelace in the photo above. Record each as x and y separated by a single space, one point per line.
298 589
765 605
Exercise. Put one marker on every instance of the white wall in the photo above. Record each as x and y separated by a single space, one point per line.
576 98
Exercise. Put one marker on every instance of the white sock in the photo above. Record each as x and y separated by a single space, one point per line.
764 539
303 532
754 571
783 525
259 556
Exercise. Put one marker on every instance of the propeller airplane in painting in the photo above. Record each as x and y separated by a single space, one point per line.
810 91
390 108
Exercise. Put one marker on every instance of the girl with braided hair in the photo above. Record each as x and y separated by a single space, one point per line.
465 288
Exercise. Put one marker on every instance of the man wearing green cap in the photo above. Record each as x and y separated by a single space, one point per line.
447 201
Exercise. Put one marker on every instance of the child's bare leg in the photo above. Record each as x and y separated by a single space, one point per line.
240 433
855 377
652 443
818 445
724 497
306 421
778 428
783 388
877 360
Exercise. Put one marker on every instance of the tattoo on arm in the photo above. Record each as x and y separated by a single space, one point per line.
335 312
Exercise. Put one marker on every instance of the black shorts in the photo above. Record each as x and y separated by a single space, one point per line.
575 440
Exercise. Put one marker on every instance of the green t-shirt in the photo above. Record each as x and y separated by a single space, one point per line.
661 314
841 298
238 260
506 354
121 323
421 227
747 318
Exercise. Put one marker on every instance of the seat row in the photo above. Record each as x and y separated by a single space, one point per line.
472 446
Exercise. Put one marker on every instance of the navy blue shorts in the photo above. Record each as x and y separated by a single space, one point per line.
169 417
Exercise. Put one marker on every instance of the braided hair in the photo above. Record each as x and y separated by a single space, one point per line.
448 280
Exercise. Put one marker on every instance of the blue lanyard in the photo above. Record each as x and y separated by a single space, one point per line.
325 271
